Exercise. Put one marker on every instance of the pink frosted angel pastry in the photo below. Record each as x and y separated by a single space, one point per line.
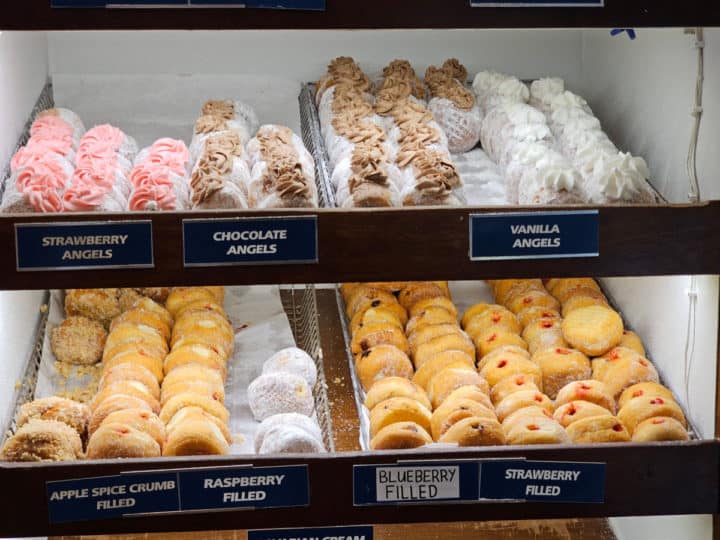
107 136
37 187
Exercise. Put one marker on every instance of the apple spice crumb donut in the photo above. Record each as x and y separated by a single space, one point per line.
426 333
660 428
380 362
442 302
299 421
378 334
138 316
400 436
593 330
390 387
583 297
450 342
589 390
117 402
577 410
501 368
78 340
195 354
450 379
494 318
520 400
535 313
475 393
544 334
442 360
632 341
67 411
140 419
474 431
533 298
101 305
561 366
152 363
490 340
398 409
128 388
453 411
43 440
128 371
416 291
562 288
641 408
191 413
203 388
275 393
598 429
116 440
374 316
627 372
290 439
510 385
196 437
645 389
431 316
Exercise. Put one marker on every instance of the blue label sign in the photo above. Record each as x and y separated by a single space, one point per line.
534 235
543 481
431 482
242 241
244 487
84 245
109 497
537 3
319 533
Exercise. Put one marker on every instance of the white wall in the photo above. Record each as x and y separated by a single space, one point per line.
23 72
643 91
663 528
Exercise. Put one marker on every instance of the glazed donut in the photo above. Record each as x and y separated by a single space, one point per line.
205 336
598 429
374 316
474 431
43 440
196 437
147 304
180 297
203 388
537 430
450 379
437 302
200 308
520 400
400 436
139 419
488 341
128 388
442 360
451 412
414 292
510 385
378 334
641 408
67 411
380 362
577 410
494 318
290 439
474 393
390 387
152 363
208 321
78 340
133 349
430 316
627 372
193 372
660 428
632 341
188 399
508 351
428 332
493 372
561 366
593 330
590 390
195 354
544 334
583 297
533 298
193 413
451 342
536 313
111 404
299 421
135 333
398 409
116 440
130 372
276 393
644 389
137 316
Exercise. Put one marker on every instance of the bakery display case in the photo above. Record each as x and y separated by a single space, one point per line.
202 324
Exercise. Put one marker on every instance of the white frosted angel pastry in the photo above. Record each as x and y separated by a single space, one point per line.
493 89
543 91
550 180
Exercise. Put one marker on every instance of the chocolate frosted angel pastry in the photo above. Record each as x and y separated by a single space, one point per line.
430 179
454 106
342 70
233 110
366 179
283 174
208 125
219 180
402 70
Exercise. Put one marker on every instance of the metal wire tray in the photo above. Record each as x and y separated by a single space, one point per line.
300 306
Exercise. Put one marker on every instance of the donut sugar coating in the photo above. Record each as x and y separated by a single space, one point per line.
180 297
193 372
536 313
452 411
504 289
135 353
660 428
644 389
128 332
128 388
416 291
195 354
510 385
137 316
275 393
440 361
78 340
378 334
293 419
429 332
491 340
290 439
364 298
390 387
474 431
475 310
588 390
382 361
500 368
627 372
43 440
563 288
520 400
593 330
140 419
536 430
544 334
641 408
192 413
583 297
561 366
117 402
533 298
601 364
450 342
428 317
494 318
503 352
435 302
293 360
196 437
400 436
190 399
573 411
632 341
216 392
398 409
67 411
374 316
598 429
128 371
450 379
116 440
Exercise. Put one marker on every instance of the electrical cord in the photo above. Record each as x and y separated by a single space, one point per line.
697 113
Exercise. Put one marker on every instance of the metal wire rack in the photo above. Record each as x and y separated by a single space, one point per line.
314 142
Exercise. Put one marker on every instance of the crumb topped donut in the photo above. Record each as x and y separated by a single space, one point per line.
116 440
275 393
43 440
78 340
67 411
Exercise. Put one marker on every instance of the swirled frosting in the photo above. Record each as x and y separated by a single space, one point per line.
621 176
226 141
520 113
104 134
153 196
217 107
84 196
455 69
568 100
209 124
51 127
545 89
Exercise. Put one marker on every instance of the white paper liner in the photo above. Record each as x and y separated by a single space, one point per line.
261 329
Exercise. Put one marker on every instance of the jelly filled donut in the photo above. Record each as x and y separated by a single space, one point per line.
275 393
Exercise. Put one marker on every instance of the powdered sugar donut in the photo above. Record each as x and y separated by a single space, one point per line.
292 360
287 419
289 439
275 393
